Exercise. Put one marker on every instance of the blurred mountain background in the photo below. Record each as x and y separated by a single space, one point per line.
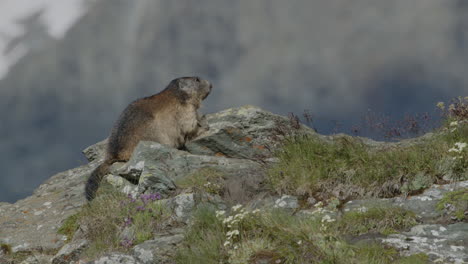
68 68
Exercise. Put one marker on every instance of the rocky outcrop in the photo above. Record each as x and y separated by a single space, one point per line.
236 153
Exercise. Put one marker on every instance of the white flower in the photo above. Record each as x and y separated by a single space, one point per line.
232 233
228 220
460 145
236 207
454 123
319 204
299 242
454 150
327 219
256 211
220 214
227 243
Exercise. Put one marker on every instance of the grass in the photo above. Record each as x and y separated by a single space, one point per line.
309 165
206 179
384 220
116 222
69 226
457 201
273 236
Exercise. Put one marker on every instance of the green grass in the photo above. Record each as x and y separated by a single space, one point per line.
308 165
207 179
115 222
277 236
458 200
69 226
203 243
384 220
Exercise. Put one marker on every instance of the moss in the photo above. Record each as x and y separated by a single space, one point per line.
458 200
207 179
377 220
69 226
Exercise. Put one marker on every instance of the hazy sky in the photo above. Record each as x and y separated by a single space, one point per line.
58 16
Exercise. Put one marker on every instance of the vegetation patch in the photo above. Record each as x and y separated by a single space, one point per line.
6 249
456 203
308 165
384 220
206 179
69 226
274 236
116 222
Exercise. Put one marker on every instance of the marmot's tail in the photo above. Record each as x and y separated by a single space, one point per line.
95 179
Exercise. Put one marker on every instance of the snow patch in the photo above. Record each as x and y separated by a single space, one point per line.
56 15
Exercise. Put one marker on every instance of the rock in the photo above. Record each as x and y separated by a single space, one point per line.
32 223
158 250
423 205
246 132
443 244
183 205
114 258
37 259
70 252
419 183
158 166
122 185
287 202
96 151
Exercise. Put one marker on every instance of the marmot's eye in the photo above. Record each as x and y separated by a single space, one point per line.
197 79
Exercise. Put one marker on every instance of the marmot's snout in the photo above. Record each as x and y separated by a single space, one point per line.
206 86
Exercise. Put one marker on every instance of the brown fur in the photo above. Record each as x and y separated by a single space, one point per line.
170 117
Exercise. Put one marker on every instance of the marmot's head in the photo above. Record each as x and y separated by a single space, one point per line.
191 89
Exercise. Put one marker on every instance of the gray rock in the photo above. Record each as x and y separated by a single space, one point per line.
244 132
423 205
70 252
37 259
287 202
116 258
122 185
183 206
33 222
160 166
443 244
158 250
96 151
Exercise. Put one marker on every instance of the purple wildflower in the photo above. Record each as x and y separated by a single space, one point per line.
127 243
128 221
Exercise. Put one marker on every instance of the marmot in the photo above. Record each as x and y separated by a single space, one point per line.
170 117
